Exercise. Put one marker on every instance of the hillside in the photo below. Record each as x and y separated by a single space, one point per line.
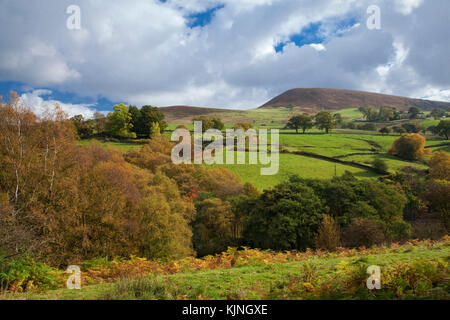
314 100
186 113
280 108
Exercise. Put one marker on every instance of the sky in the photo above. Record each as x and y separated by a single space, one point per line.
235 54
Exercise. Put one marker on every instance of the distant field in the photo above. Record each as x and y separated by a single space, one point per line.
350 114
125 147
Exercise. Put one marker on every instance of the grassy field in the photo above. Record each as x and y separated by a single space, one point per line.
350 114
361 148
293 165
123 146
411 271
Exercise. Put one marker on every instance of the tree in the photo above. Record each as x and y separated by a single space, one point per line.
386 114
328 236
370 114
83 128
243 125
442 129
213 226
146 118
385 131
399 130
409 147
413 127
440 166
303 122
437 113
284 218
368 127
380 165
155 130
413 112
218 124
135 118
325 121
436 196
210 123
337 118
99 123
119 122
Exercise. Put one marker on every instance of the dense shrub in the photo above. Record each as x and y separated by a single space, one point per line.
440 166
380 165
363 232
409 147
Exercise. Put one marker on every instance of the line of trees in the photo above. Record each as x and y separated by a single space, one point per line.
124 122
323 121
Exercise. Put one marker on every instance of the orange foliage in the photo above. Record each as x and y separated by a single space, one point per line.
440 166
138 267
410 147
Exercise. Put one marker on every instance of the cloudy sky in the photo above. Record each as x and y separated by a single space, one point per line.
219 53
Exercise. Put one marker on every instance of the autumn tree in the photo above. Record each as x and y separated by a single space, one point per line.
243 125
328 235
440 166
213 226
409 147
63 203
83 128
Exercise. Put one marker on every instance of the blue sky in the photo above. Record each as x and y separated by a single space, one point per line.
203 18
99 103
227 54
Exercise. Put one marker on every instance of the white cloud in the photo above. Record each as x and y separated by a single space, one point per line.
39 105
431 93
143 52
405 7
318 46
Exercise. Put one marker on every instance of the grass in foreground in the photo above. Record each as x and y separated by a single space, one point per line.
416 270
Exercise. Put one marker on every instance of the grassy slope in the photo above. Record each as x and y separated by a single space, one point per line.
255 280
332 145
291 165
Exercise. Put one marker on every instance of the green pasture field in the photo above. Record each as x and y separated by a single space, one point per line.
122 146
291 164
341 145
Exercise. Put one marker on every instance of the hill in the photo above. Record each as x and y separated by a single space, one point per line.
186 113
316 99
